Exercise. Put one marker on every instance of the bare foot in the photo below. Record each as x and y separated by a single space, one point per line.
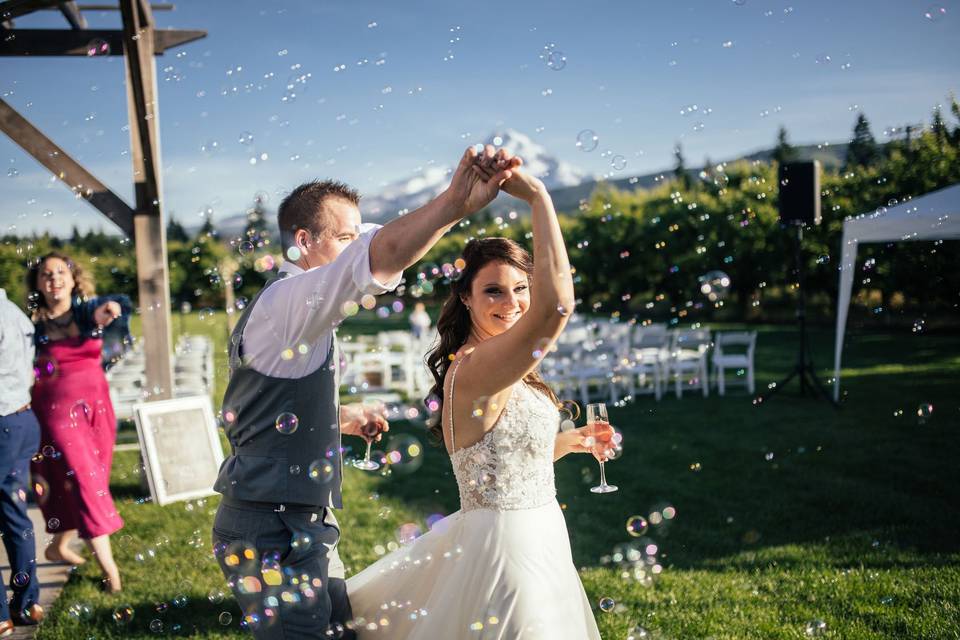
64 556
111 584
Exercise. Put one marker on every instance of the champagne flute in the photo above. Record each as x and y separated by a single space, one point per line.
369 431
597 417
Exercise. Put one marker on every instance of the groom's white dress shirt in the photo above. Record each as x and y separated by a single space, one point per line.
290 328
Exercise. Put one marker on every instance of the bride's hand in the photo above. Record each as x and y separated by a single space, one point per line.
583 440
520 184
354 417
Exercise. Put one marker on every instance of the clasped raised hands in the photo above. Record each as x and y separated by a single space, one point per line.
519 184
481 175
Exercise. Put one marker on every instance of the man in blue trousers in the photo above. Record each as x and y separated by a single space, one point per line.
19 441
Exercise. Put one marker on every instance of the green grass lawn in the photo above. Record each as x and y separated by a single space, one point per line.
786 514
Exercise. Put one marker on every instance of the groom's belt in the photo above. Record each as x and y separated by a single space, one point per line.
278 507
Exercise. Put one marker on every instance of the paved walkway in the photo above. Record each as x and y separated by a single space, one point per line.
51 576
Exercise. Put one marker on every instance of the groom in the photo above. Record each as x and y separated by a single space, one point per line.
275 534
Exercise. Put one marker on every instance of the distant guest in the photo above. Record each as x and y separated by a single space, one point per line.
19 441
72 401
419 321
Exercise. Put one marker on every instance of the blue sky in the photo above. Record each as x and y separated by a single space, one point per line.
386 88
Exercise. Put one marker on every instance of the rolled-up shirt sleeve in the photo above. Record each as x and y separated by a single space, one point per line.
290 327
362 276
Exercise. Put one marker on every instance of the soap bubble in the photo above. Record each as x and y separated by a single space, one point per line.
287 423
587 140
320 471
638 633
556 60
637 526
715 285
123 614
404 453
80 411
815 628
935 13
408 532
80 611
98 47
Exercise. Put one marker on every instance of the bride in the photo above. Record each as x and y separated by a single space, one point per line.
501 566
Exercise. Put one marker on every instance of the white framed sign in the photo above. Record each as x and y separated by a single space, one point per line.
180 446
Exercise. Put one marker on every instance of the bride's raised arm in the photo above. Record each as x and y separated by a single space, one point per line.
500 361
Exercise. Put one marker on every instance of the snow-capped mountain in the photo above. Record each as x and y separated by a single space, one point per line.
554 173
406 195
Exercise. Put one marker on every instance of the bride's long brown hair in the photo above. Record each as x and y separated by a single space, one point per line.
454 322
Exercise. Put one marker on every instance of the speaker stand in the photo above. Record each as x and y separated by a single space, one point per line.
803 370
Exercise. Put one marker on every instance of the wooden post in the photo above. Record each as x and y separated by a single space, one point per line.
150 234
228 268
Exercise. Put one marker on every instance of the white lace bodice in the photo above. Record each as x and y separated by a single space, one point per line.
511 467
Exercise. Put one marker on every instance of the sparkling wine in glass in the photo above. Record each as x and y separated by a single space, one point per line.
597 417
368 432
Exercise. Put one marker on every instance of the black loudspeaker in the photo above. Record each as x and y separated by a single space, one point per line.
800 192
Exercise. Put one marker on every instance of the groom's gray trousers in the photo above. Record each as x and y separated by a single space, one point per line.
283 567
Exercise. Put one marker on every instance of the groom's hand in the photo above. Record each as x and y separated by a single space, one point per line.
355 416
471 190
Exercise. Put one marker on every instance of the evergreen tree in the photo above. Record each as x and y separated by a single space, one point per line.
176 231
862 150
938 126
207 230
955 110
680 168
784 151
256 228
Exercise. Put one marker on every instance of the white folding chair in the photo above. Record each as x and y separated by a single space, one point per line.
740 357
556 369
687 362
647 356
616 335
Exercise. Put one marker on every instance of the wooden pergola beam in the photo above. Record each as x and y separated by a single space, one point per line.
13 9
79 42
150 233
139 42
70 11
81 182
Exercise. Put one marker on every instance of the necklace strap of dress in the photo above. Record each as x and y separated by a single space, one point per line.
453 379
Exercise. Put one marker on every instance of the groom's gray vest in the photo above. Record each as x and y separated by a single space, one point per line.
265 464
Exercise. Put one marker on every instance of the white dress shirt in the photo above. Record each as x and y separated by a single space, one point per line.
16 356
289 330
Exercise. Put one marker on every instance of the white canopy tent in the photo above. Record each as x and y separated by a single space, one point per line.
932 216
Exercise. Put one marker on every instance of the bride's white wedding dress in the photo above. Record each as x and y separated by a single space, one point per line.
501 566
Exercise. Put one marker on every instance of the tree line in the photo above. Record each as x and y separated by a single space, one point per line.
637 254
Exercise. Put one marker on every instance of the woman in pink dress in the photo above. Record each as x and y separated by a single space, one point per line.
72 402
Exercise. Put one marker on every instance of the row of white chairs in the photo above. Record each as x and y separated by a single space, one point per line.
590 361
614 361
388 360
193 373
